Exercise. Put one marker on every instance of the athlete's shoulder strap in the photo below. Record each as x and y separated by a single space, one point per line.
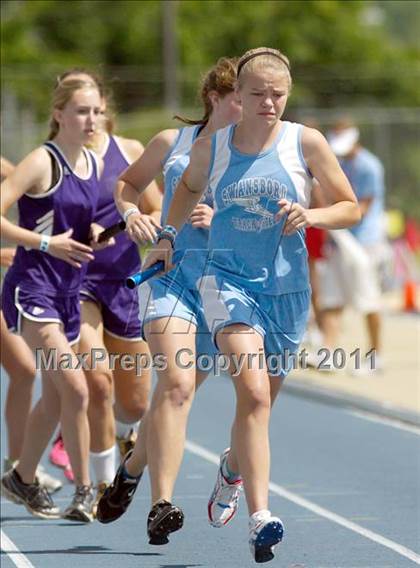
57 171
185 140
290 145
181 146
220 155
55 151
116 144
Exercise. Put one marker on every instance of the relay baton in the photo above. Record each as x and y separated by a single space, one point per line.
140 277
111 231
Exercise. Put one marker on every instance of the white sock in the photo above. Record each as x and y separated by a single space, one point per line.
259 515
103 465
123 430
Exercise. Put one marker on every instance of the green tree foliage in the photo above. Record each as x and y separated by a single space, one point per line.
344 53
336 50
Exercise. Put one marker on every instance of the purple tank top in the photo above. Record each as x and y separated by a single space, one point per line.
70 204
122 259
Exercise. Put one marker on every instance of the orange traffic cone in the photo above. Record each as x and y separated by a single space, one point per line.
410 296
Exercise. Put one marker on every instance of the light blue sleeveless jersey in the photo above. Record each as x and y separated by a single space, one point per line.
246 243
191 244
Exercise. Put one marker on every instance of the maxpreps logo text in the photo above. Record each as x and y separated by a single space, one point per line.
254 195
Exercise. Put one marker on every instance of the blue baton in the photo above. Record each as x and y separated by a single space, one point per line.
140 277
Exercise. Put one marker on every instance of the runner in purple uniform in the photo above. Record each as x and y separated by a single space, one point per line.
110 318
56 187
110 310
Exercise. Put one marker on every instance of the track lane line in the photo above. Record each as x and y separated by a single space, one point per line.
391 422
12 551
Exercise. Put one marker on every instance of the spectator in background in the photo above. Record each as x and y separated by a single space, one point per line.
315 239
351 273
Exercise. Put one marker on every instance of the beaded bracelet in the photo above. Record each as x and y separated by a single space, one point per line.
169 233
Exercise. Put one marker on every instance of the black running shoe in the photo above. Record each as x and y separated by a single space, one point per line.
33 496
118 496
80 509
163 519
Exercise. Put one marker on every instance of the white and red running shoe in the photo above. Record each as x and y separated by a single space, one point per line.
223 502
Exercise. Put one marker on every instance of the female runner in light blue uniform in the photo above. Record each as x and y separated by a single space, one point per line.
173 321
256 292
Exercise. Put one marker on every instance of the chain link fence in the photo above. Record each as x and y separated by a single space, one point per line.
393 134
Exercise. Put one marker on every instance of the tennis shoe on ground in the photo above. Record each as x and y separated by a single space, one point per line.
117 496
51 484
81 507
224 501
265 532
164 518
33 496
368 367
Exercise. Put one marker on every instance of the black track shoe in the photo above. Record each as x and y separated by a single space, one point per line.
118 496
164 518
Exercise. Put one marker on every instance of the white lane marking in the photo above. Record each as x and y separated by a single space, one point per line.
310 506
393 422
9 547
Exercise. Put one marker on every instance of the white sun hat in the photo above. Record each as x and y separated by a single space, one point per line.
343 142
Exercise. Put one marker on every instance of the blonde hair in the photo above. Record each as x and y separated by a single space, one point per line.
62 95
263 58
221 78
80 73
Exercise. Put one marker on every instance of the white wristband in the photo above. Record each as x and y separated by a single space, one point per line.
130 212
45 242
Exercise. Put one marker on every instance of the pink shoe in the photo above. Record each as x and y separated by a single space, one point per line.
68 472
58 455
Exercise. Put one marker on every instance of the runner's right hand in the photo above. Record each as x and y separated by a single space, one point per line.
142 228
64 247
